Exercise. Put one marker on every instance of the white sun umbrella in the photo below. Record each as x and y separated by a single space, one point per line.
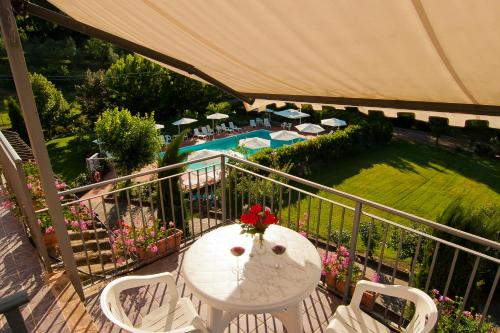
217 116
309 128
333 122
285 135
159 126
183 121
204 153
255 143
292 114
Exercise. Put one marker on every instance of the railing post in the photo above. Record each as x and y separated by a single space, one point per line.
12 44
352 249
9 306
223 186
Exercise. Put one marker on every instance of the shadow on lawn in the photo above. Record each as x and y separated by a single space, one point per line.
403 155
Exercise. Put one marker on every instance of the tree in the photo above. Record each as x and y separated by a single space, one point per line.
92 94
132 140
51 105
222 107
438 126
99 53
11 105
137 84
172 156
372 234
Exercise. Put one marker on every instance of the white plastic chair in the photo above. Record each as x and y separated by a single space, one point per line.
218 129
168 138
283 125
223 126
177 315
259 121
267 123
253 123
206 132
350 319
289 126
198 134
234 128
210 130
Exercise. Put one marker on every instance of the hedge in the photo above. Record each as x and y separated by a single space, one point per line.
327 147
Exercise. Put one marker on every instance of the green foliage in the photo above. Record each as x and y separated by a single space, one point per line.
343 237
438 126
101 53
51 105
172 156
370 234
405 119
481 222
326 148
409 242
222 107
92 94
484 149
132 140
11 105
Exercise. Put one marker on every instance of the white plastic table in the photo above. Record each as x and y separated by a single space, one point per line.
210 272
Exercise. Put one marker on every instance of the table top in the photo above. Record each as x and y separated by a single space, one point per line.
209 270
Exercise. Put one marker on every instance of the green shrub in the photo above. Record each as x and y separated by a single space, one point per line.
374 235
405 120
484 149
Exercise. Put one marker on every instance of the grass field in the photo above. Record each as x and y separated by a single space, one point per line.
66 158
415 178
4 120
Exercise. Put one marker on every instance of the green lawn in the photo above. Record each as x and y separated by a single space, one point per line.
415 178
67 159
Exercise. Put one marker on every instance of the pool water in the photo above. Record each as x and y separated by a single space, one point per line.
231 142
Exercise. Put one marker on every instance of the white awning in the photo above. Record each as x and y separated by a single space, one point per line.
443 51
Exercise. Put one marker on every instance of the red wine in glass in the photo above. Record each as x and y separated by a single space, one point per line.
278 249
237 251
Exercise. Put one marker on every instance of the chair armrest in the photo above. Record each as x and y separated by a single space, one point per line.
134 281
385 289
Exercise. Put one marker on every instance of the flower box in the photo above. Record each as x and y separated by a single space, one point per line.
167 245
368 298
50 240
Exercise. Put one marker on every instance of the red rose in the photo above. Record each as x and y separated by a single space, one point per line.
267 211
249 218
270 219
256 209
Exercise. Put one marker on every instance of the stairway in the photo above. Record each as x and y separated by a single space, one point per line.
21 148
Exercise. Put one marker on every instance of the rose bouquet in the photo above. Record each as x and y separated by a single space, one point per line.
256 220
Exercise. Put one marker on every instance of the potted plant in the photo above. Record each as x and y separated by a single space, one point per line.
145 242
335 270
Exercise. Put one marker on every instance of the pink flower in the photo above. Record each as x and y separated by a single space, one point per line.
435 292
162 229
50 230
29 186
153 248
120 261
8 204
345 262
375 277
153 233
467 314
303 233
171 224
39 221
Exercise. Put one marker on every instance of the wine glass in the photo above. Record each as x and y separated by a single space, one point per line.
278 246
237 251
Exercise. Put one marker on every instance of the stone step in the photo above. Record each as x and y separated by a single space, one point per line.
90 245
88 234
97 270
93 257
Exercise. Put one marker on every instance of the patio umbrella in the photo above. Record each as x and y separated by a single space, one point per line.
204 153
217 116
255 143
183 121
309 128
292 114
159 126
286 135
333 122
98 143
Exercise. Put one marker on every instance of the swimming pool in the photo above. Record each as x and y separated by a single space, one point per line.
231 142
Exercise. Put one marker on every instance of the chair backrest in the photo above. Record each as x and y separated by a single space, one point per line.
231 125
209 128
196 132
425 316
218 127
223 126
266 121
204 130
168 137
252 122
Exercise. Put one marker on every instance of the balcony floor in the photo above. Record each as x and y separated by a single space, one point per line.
317 308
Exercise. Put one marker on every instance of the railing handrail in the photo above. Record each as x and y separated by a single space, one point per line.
13 155
419 220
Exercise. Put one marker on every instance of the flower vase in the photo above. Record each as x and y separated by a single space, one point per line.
259 246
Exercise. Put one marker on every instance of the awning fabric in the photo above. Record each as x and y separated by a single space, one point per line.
420 50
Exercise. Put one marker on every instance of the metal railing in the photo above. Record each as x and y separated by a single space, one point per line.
124 224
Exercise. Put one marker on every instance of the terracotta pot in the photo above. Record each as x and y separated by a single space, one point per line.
368 298
50 240
165 246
